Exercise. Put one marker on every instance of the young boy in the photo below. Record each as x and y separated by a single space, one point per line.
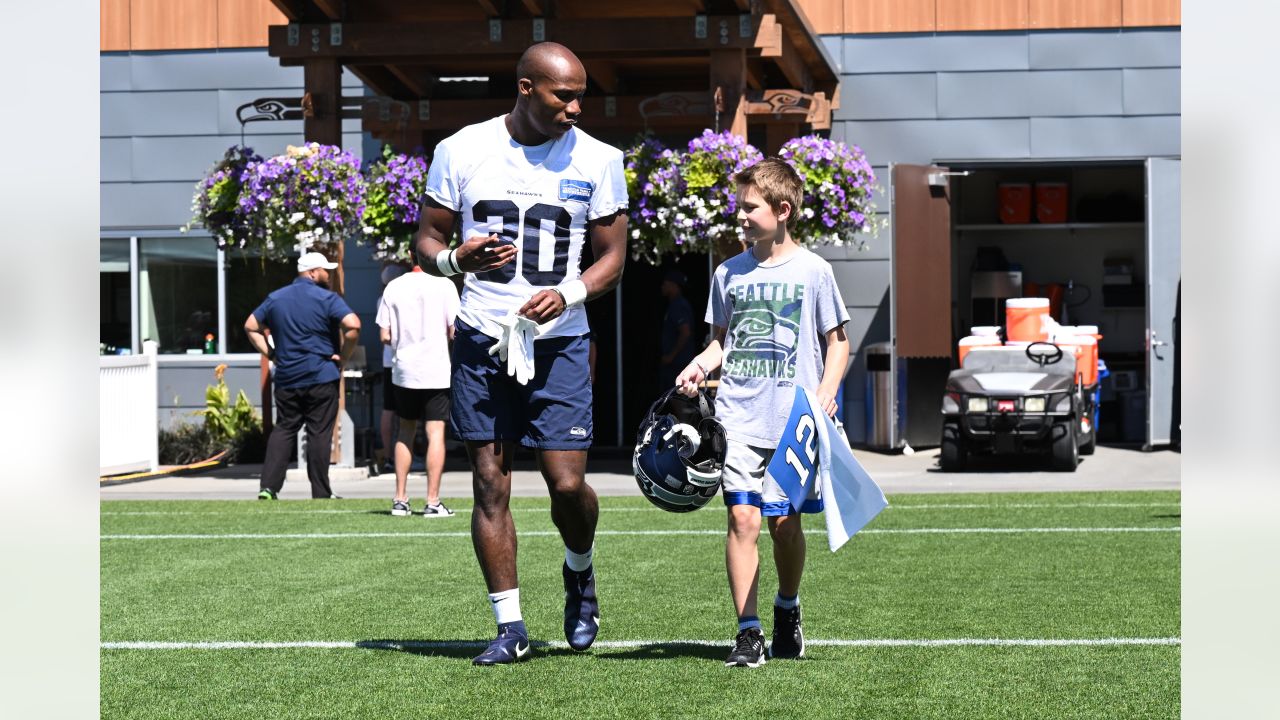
770 307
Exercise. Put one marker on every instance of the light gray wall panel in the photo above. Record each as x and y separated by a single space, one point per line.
930 52
875 248
862 284
835 50
145 204
159 113
921 141
229 100
883 97
218 69
1115 48
1153 92
114 162
189 158
1106 137
1028 94
113 72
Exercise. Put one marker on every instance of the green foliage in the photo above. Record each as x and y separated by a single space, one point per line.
227 421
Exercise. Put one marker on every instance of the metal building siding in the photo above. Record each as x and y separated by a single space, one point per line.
1155 91
1141 136
888 97
920 141
1111 48
929 52
1029 94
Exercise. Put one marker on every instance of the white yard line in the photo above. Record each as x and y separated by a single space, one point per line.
921 506
554 533
608 644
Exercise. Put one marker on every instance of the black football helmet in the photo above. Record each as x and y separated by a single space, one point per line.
680 452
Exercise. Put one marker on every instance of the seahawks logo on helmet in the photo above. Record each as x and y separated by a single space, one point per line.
680 452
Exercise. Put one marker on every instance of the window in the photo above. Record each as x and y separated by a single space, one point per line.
178 293
170 290
250 278
113 295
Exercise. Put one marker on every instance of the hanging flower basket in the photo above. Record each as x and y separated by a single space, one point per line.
684 201
838 188
393 200
310 198
215 203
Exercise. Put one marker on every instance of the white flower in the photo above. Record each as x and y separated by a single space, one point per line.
333 204
635 234
367 230
296 217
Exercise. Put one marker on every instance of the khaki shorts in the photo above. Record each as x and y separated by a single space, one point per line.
745 482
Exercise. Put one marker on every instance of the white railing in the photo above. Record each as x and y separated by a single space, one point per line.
127 414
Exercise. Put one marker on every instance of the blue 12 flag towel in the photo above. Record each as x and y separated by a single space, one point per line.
814 449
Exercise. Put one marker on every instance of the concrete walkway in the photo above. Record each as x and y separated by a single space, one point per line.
1111 468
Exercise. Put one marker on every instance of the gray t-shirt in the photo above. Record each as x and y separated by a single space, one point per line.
775 316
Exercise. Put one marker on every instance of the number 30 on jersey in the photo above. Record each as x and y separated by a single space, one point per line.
528 234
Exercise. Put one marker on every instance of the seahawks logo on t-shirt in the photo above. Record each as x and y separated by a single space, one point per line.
579 190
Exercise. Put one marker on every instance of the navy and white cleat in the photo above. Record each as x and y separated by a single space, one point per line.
581 610
511 645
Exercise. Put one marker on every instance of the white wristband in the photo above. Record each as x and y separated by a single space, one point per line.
446 263
574 292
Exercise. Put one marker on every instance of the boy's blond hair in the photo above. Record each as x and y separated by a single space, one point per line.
777 182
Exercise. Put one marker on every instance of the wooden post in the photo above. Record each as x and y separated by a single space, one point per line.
776 135
729 76
322 78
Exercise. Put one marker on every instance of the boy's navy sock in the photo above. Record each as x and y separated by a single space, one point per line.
749 621
786 603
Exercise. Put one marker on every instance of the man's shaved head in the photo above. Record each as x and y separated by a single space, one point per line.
547 60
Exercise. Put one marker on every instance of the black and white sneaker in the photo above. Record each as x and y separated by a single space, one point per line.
748 649
788 635
436 511
400 508
581 608
511 645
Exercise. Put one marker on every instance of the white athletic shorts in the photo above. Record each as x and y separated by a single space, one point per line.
745 482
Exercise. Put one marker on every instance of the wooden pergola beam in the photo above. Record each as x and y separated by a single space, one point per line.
332 9
536 8
449 39
420 82
604 73
492 8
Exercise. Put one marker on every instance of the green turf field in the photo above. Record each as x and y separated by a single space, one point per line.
402 602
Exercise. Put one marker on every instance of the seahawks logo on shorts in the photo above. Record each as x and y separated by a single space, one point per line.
578 432
579 190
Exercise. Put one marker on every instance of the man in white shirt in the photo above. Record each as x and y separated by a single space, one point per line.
415 318
528 189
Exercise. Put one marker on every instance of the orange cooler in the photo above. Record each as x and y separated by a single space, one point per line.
1015 202
973 341
1085 348
1027 319
1051 202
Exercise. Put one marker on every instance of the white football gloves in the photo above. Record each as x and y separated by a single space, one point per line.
515 346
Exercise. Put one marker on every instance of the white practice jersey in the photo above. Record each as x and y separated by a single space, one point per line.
543 207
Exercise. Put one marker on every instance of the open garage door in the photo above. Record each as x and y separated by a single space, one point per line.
920 296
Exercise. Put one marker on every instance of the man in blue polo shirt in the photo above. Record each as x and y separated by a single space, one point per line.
314 333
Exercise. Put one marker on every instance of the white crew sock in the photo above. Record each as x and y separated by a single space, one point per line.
578 562
506 606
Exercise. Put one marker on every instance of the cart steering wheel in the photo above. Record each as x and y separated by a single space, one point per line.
1043 357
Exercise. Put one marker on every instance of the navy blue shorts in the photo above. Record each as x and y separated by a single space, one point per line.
552 412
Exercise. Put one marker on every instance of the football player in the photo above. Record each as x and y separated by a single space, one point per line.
528 188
